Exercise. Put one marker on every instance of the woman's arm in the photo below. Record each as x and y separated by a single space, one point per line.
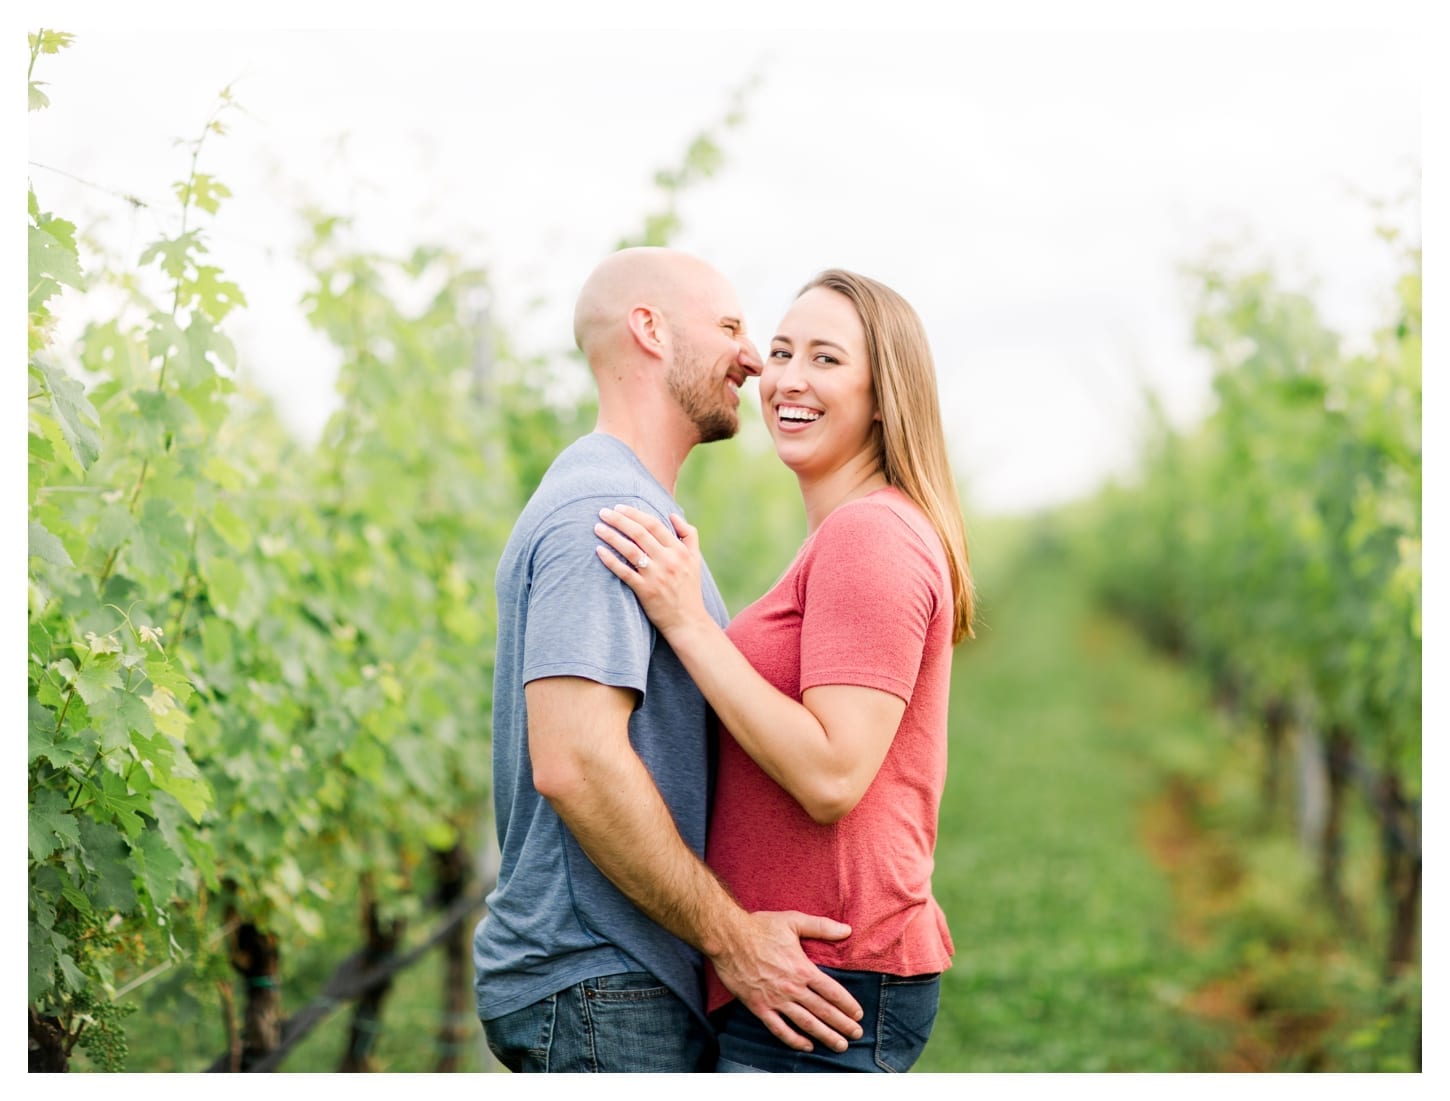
824 751
584 765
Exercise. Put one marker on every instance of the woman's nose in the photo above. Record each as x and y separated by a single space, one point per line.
789 377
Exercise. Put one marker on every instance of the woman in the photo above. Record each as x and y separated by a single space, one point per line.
832 688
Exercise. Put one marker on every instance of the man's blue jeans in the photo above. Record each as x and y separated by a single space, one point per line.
625 1023
897 1017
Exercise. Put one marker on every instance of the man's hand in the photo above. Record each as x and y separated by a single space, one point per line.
584 765
763 965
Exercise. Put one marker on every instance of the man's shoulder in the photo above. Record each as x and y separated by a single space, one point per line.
595 468
556 526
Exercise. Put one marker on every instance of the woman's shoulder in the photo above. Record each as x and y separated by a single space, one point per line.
882 528
885 513
881 546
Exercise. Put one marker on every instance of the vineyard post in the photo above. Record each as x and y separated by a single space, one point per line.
49 1045
382 940
1338 750
255 956
1311 788
1276 721
459 1020
1402 876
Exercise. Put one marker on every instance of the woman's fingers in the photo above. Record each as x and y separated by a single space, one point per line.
639 526
646 520
631 529
617 566
631 551
650 533
688 533
660 569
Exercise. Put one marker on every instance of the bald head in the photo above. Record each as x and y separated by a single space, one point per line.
660 278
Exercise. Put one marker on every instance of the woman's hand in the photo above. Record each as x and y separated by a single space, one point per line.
662 567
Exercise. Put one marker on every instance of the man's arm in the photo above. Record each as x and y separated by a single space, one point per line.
585 767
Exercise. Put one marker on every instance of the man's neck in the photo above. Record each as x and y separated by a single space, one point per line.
656 441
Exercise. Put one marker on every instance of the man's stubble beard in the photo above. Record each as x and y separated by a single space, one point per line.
700 396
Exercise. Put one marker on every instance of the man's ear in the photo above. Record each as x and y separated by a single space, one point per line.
647 328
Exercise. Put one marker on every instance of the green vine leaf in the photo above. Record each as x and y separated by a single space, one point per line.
215 297
156 865
53 259
50 42
124 806
105 857
204 192
98 679
47 547
42 960
46 743
174 254
73 413
52 825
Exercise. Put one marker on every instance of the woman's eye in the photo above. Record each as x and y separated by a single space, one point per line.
779 353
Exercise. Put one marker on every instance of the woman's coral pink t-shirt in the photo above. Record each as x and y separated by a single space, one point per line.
867 602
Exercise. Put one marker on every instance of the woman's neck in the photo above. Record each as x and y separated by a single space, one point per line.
823 495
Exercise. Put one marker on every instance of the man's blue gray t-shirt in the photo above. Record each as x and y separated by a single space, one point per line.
554 919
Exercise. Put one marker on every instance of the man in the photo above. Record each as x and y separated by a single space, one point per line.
589 957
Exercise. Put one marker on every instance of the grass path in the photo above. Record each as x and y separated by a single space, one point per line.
1068 952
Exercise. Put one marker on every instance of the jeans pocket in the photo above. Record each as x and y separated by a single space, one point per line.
520 1040
904 1019
635 1024
629 986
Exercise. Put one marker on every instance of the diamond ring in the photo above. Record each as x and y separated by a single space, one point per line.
643 563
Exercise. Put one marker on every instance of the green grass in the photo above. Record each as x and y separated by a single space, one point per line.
174 1032
1066 956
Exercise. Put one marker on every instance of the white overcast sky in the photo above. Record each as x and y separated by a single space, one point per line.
1033 189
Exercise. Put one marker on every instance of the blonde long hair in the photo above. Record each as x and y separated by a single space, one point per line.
913 448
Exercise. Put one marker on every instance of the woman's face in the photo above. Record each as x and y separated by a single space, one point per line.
815 388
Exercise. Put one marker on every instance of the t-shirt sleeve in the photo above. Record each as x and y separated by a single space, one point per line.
582 620
869 592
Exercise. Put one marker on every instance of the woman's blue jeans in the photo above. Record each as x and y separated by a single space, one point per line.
897 1017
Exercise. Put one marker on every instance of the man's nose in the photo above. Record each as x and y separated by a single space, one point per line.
749 357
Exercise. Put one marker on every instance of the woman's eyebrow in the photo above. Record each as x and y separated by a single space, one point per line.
813 343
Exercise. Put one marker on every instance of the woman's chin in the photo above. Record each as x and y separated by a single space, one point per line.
790 456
